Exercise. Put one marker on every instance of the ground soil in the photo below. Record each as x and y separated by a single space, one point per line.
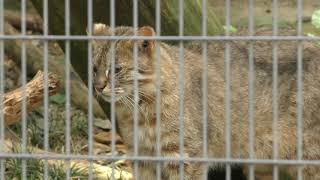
287 13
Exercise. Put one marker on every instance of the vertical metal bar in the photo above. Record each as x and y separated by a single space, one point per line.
158 85
299 89
251 91
2 74
24 82
181 89
113 117
136 91
228 92
205 87
275 105
67 84
46 96
90 95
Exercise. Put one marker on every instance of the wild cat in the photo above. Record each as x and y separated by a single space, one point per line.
216 108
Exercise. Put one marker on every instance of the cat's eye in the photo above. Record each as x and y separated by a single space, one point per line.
145 44
117 69
95 70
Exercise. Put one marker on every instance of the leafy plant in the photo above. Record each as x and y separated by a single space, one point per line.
59 99
14 166
35 168
56 134
232 29
57 172
315 19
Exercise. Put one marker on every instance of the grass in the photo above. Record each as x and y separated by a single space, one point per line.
57 132
56 172
35 138
35 168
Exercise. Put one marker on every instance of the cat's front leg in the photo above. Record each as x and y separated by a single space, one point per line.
146 170
191 170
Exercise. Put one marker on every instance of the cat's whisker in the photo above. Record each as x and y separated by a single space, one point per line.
125 102
133 104
119 74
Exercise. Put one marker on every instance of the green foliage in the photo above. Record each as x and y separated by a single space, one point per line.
315 19
57 122
57 172
232 29
58 99
80 127
284 175
14 166
35 168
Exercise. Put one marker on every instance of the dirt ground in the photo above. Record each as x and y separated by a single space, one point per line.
287 12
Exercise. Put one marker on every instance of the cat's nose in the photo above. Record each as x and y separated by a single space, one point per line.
100 85
99 88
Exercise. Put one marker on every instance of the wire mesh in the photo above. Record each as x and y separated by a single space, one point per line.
24 82
227 91
90 89
46 93
158 95
275 104
113 116
67 88
181 39
136 97
299 89
205 87
181 89
2 74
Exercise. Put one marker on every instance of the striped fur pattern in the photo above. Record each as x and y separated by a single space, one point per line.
192 114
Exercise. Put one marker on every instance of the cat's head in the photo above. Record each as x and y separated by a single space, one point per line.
123 53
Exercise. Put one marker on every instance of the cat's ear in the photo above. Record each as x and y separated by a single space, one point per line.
147 45
100 29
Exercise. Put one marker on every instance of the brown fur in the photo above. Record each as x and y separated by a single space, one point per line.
192 115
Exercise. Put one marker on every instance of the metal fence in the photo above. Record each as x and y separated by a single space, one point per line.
204 38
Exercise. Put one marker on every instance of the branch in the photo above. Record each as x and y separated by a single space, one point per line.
33 22
78 89
33 91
